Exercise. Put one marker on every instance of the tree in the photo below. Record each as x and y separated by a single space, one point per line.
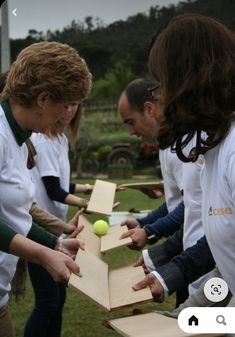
113 83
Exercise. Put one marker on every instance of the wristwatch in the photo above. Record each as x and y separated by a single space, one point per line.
151 237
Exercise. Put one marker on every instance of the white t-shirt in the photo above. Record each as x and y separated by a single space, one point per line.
16 197
218 205
172 173
193 227
51 160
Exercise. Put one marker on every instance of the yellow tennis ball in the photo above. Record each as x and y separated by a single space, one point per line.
100 227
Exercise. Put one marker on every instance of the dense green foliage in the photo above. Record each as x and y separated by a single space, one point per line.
117 53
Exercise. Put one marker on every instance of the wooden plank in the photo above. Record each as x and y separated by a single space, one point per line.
98 245
112 239
100 286
149 185
121 293
94 280
151 325
92 241
102 197
118 217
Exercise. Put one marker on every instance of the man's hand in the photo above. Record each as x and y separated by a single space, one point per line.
130 223
71 245
154 193
138 236
120 188
155 287
140 263
116 204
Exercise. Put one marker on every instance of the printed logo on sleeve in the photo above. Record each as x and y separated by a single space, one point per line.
220 211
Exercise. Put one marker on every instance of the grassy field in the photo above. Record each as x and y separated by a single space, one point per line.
83 317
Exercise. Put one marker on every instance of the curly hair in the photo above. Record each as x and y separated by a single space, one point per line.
193 58
48 66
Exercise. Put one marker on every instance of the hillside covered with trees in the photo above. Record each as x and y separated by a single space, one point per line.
117 53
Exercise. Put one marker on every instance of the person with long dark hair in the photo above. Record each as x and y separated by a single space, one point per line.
193 58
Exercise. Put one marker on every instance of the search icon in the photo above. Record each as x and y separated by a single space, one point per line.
220 319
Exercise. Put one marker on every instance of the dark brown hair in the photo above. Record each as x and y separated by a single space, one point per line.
193 58
137 93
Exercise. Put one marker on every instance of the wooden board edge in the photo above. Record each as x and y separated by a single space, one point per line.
126 242
91 300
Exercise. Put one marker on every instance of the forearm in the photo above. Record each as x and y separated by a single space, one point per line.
56 193
163 253
42 236
7 236
154 215
27 249
47 220
83 188
188 266
168 224
73 200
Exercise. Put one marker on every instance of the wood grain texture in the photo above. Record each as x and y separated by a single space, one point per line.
112 239
102 197
101 244
110 290
149 185
92 241
94 280
121 293
151 325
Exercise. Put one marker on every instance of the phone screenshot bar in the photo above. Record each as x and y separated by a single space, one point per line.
207 320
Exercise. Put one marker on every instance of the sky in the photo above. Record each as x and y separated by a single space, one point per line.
56 14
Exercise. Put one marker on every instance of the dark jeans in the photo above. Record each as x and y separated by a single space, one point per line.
46 317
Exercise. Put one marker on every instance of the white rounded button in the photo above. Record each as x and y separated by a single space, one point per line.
216 289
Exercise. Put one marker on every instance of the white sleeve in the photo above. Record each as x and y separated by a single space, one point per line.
160 279
147 260
47 160
231 176
2 151
150 266
177 169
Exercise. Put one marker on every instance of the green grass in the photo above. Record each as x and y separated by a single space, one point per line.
82 317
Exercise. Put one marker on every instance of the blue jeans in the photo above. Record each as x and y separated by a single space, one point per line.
46 317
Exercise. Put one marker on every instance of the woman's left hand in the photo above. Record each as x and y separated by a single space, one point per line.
71 245
73 223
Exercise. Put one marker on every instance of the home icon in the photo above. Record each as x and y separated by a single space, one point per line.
193 320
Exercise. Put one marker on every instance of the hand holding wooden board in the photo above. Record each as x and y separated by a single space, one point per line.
101 244
154 190
102 197
110 289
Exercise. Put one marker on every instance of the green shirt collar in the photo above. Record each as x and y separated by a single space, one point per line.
20 134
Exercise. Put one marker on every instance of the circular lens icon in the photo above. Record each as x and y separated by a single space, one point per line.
216 289
220 319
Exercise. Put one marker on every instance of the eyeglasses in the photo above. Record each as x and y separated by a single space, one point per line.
151 91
